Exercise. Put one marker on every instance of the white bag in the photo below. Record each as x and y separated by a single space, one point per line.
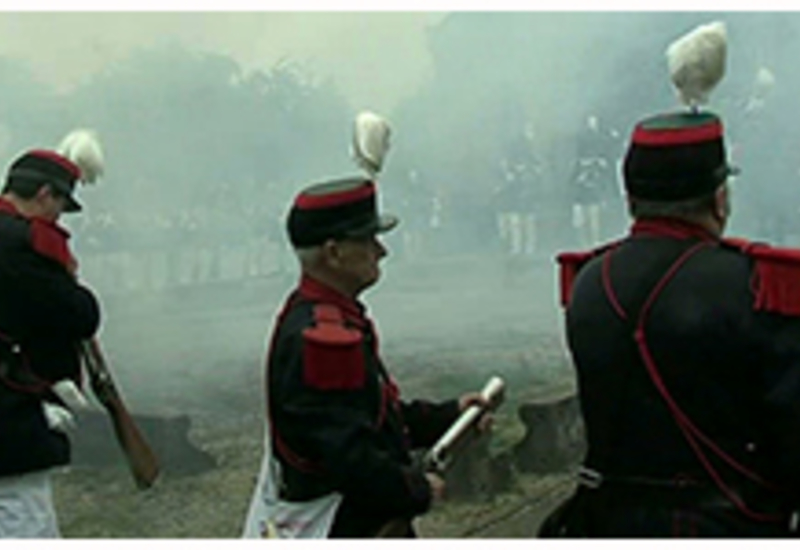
271 517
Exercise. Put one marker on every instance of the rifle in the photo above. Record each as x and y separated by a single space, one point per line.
141 459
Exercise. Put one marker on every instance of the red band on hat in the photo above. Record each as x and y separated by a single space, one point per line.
677 136
58 159
336 199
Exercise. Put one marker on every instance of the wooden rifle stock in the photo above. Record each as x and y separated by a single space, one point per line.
141 459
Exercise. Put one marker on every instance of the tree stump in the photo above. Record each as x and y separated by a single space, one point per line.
476 474
95 445
554 438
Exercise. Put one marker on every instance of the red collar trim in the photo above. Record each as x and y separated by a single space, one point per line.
672 228
8 206
315 291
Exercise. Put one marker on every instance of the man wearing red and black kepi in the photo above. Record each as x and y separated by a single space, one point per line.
44 314
337 461
687 351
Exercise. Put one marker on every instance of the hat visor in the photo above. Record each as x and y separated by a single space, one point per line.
381 224
387 222
71 205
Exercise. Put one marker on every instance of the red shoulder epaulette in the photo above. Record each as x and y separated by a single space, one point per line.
570 263
333 358
51 241
776 280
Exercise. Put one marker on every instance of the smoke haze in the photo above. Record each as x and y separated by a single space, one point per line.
508 130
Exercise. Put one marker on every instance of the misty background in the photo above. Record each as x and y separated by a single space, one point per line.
508 130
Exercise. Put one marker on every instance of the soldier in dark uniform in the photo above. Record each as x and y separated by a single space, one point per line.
337 424
44 314
687 351
594 186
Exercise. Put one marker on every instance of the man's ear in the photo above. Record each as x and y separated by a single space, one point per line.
331 253
722 203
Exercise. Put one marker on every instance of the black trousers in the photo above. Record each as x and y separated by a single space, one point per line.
355 522
626 512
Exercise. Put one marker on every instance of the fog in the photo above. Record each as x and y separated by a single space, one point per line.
212 122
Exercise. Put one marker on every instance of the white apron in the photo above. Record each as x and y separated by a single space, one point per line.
270 517
26 507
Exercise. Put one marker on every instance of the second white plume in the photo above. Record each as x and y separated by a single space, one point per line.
371 134
697 62
82 147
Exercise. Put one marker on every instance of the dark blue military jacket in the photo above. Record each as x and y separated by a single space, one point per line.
44 313
687 352
338 423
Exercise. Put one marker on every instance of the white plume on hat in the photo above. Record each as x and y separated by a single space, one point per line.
82 147
697 62
371 133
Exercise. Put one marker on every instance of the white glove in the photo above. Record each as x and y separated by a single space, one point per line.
58 418
71 395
